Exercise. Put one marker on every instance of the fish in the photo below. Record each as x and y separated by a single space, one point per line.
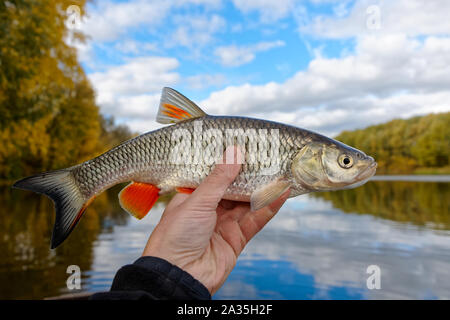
177 157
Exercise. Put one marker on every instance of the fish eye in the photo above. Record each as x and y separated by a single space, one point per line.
345 161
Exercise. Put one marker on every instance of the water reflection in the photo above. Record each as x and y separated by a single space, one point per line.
421 203
322 253
317 247
28 268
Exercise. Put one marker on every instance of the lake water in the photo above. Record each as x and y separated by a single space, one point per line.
318 246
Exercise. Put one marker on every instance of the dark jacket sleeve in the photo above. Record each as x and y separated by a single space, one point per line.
150 278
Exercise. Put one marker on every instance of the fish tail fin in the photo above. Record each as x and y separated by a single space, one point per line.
61 187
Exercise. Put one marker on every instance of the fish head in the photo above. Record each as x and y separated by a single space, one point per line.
331 165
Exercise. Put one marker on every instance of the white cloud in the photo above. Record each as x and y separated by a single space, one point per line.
131 91
195 31
269 10
201 81
128 90
236 28
108 26
410 17
135 47
144 125
387 76
233 56
137 107
84 50
210 4
390 73
110 20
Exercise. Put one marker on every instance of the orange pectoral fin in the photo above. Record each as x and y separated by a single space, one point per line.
184 190
138 198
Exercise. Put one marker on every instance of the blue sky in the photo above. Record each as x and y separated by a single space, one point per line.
323 65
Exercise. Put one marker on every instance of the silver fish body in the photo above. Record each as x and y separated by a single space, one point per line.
276 157
147 158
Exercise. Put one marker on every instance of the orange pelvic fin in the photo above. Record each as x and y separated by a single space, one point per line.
138 198
184 190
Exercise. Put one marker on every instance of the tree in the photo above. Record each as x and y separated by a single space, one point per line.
401 146
49 118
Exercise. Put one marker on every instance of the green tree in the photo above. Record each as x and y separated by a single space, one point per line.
402 146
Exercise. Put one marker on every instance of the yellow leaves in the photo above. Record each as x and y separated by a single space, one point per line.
24 145
24 137
49 118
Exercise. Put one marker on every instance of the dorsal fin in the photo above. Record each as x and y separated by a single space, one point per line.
174 107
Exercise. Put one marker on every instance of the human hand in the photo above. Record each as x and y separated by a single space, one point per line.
204 235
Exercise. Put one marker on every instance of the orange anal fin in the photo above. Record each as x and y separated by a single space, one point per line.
184 190
138 198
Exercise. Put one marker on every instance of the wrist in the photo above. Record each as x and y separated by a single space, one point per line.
192 267
166 280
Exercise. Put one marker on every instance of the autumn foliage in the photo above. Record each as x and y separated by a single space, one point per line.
48 115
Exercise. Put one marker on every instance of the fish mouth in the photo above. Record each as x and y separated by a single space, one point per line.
363 177
367 173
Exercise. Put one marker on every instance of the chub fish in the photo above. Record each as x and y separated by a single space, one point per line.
275 157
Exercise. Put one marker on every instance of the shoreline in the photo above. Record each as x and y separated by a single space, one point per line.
412 177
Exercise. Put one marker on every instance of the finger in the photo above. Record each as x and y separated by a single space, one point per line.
211 190
252 222
177 199
232 209
234 212
227 204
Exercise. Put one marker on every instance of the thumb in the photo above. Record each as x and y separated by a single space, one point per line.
211 190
